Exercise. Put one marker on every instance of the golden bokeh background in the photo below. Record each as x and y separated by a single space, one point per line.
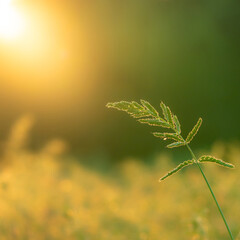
72 169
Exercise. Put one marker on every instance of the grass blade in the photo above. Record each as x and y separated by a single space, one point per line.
194 131
123 105
150 108
166 136
177 169
164 110
205 159
154 122
175 144
132 108
170 117
177 124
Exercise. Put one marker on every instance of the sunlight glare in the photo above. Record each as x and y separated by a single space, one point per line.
11 22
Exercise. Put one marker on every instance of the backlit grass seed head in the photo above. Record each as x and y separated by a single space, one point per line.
147 114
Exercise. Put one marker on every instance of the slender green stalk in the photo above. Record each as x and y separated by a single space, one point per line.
210 189
205 178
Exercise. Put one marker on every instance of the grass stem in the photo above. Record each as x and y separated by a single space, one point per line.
210 189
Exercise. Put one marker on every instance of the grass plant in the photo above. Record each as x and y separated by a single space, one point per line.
145 113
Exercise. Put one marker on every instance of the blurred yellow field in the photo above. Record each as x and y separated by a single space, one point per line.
49 195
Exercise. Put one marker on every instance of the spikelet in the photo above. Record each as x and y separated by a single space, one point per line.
177 169
177 124
170 117
132 108
167 114
166 136
194 131
123 105
154 122
137 105
164 110
150 109
139 115
175 144
140 111
205 159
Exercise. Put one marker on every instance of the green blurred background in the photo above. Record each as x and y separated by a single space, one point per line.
79 55
70 168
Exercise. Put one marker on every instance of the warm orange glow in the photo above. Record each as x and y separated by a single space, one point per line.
11 22
48 53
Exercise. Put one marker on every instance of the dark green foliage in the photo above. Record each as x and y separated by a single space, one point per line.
204 159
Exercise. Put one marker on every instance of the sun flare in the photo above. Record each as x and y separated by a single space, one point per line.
11 22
